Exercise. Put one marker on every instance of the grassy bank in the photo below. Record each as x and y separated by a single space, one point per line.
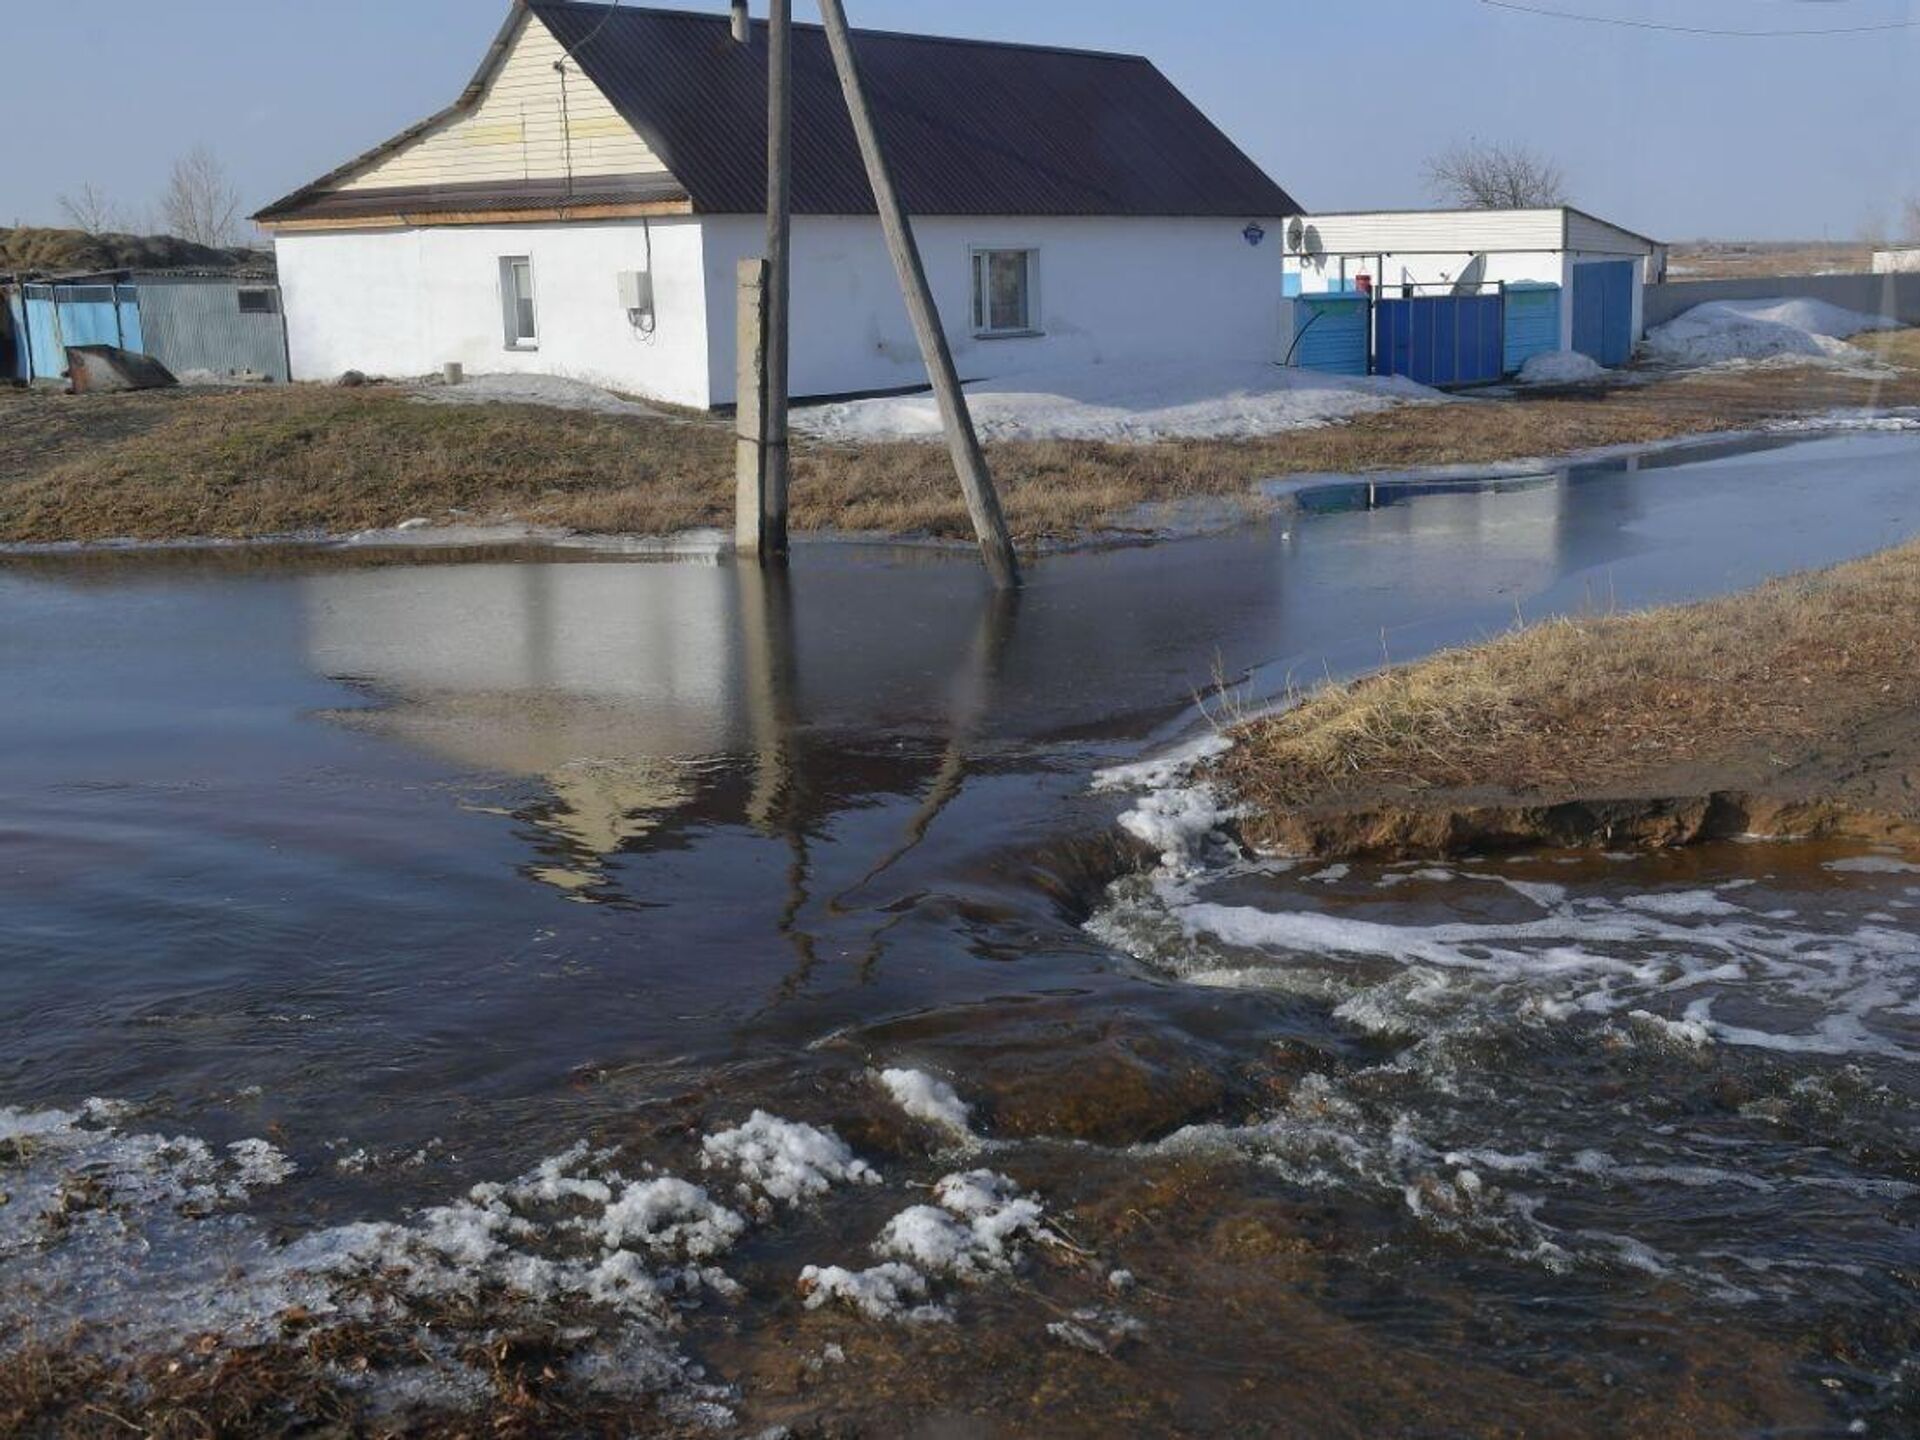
179 464
1803 695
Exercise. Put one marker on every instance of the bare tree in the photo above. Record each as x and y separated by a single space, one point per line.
200 203
1483 175
88 209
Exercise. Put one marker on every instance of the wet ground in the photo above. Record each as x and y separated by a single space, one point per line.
348 882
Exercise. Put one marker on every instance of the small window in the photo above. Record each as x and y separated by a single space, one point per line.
256 302
1003 293
516 295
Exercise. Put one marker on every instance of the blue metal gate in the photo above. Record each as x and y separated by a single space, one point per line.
1603 311
1533 323
1330 334
1442 339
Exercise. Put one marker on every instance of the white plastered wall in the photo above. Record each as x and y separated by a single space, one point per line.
1107 291
406 302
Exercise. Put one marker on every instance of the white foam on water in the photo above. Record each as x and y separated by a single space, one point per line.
1175 816
1842 991
1872 865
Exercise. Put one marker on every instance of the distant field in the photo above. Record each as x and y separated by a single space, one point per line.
1742 259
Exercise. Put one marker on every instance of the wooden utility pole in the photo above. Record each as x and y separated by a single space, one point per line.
983 503
773 482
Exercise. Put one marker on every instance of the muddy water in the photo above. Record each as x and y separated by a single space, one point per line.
422 869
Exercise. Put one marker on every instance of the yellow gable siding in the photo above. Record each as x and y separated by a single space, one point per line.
515 131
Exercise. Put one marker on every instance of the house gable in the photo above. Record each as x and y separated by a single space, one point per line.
531 122
531 138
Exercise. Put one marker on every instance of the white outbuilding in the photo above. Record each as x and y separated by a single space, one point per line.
1584 278
582 209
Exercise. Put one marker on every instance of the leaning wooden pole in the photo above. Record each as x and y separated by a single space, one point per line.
773 476
983 503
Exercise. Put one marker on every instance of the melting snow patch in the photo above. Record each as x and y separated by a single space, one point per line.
784 1160
259 1164
886 1292
1131 402
553 391
1561 367
1726 330
671 1217
1097 1331
975 1231
932 1100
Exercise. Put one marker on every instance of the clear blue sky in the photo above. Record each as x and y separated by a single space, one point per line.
1678 135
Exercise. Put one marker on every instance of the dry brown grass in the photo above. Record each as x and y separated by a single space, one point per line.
176 465
1684 700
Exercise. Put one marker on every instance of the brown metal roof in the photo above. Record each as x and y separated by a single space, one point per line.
971 127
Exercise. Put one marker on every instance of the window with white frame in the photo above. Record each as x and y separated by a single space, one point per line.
1005 292
516 302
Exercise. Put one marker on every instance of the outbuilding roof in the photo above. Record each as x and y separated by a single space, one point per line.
970 127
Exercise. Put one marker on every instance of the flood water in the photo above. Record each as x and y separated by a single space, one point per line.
425 868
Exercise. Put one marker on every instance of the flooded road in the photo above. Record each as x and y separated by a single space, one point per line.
345 882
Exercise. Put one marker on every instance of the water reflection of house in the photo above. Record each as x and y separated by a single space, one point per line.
607 683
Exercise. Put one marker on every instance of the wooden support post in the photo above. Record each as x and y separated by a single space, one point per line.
773 478
749 501
983 503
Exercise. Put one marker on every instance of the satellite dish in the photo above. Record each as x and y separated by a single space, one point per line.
1296 234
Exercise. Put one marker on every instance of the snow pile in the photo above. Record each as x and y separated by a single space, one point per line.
932 1100
553 391
977 1230
782 1160
1144 401
1729 330
1561 367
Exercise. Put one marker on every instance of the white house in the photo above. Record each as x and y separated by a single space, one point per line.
1602 269
582 208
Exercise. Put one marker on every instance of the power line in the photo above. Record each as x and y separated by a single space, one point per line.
1698 29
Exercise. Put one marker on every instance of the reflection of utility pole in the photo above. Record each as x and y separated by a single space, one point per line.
977 684
983 502
766 654
776 805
